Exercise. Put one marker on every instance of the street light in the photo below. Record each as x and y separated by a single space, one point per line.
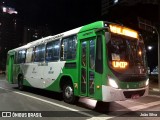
115 1
150 48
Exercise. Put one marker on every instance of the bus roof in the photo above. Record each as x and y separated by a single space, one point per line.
91 26
47 39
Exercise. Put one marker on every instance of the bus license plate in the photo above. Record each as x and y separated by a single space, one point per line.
135 96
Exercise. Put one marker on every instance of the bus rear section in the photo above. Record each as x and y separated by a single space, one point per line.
9 67
126 59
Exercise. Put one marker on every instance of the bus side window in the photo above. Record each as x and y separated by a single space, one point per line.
29 55
16 58
99 55
21 56
39 53
52 51
68 48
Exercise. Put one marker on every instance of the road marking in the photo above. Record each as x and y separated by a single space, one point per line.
144 106
127 110
140 107
154 96
100 118
155 89
130 100
49 102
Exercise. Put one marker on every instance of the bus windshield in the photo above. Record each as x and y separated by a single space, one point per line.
126 54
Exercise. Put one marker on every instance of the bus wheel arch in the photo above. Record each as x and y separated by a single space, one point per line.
66 85
20 82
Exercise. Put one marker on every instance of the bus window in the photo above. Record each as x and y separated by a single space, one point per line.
99 53
52 51
92 54
39 53
16 58
21 56
68 48
29 55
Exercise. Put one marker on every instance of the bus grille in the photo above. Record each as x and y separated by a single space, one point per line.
129 94
132 78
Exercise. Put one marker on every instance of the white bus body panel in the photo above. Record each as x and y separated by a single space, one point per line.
42 75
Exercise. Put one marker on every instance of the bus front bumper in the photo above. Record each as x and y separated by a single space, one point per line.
110 94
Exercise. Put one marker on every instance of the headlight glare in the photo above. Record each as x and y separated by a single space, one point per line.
147 82
112 82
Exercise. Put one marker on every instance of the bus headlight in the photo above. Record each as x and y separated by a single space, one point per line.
147 82
112 82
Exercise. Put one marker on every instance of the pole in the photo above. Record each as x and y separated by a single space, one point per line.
158 35
158 45
157 29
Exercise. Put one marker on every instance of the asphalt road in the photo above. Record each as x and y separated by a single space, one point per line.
22 104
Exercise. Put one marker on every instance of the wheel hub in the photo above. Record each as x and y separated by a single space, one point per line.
68 92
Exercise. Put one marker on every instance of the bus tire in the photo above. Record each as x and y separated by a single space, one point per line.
20 83
102 107
68 94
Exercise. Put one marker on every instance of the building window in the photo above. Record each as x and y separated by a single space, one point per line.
39 53
68 48
52 51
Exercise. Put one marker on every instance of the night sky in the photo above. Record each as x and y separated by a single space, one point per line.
63 15
59 15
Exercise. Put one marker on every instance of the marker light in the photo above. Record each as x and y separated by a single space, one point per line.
123 31
112 82
147 82
140 53
119 64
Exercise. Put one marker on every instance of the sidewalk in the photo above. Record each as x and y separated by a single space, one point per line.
153 83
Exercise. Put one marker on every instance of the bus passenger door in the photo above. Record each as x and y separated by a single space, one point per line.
87 67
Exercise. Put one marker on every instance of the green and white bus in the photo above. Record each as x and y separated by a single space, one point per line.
102 61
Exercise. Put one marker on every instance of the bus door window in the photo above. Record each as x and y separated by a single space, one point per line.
92 54
91 82
83 70
83 80
92 66
84 47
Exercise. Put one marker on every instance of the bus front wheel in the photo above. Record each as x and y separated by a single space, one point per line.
20 83
68 94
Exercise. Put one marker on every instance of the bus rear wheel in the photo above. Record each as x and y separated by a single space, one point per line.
68 94
20 83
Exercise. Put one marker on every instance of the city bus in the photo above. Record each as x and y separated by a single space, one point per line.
103 61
